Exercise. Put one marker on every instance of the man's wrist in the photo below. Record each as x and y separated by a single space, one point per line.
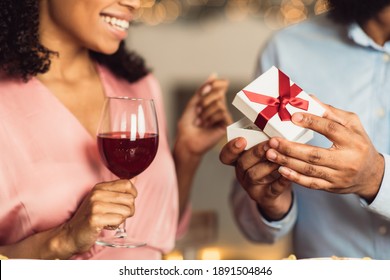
275 217
370 193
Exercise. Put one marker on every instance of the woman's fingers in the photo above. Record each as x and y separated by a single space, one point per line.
120 186
211 107
114 219
112 202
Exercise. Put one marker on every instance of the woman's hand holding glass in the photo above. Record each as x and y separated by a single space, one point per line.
109 203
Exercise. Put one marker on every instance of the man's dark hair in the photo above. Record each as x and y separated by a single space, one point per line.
348 11
23 56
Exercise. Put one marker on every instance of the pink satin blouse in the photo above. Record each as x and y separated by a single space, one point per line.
49 162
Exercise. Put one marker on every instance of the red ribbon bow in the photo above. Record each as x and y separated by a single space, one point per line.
287 95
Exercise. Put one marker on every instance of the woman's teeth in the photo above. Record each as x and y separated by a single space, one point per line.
116 22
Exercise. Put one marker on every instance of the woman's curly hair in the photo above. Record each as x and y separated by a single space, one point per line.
348 11
23 56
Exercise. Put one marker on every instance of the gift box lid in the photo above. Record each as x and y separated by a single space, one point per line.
271 99
248 130
253 135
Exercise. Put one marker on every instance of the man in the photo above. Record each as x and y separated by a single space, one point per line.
334 192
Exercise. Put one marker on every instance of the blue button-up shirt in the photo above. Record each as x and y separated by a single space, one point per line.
345 68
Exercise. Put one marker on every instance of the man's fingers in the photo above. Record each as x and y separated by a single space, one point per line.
232 150
263 173
332 130
277 187
253 156
333 113
305 181
282 148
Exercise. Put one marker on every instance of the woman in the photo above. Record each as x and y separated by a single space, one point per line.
59 60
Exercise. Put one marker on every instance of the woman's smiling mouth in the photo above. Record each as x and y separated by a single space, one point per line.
118 23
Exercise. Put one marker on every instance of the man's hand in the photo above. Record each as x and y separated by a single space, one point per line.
259 177
350 165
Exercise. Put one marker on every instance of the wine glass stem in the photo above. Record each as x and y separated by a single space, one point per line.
121 231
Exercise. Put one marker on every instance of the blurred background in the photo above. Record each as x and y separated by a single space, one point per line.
184 41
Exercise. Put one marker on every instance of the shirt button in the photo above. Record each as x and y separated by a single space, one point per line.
386 57
382 230
380 112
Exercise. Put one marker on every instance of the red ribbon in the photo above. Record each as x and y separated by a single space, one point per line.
287 95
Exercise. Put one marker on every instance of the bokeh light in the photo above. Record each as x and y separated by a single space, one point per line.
275 13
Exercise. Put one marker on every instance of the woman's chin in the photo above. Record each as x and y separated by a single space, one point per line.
107 49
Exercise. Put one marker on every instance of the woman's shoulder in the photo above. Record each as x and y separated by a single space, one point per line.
10 84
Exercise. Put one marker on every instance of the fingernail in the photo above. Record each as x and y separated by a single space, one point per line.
266 147
297 117
271 155
206 90
274 143
284 171
198 122
198 110
239 143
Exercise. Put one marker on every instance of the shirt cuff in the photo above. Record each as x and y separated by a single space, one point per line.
284 225
381 203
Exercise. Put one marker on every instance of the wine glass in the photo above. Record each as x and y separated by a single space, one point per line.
127 139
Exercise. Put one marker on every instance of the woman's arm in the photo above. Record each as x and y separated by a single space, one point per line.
202 124
108 204
51 244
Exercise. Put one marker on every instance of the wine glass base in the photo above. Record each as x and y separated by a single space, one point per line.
119 242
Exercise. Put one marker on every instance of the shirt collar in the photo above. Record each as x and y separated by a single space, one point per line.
356 34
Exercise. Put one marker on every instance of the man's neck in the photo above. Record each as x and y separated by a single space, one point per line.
378 28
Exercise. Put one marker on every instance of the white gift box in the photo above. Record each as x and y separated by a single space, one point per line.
247 129
253 135
260 103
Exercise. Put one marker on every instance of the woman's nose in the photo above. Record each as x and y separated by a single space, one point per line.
134 4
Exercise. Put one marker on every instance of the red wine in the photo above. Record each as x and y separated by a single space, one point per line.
126 157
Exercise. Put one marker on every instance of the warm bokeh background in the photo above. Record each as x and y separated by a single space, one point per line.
184 41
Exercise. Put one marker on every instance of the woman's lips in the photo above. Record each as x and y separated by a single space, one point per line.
116 25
